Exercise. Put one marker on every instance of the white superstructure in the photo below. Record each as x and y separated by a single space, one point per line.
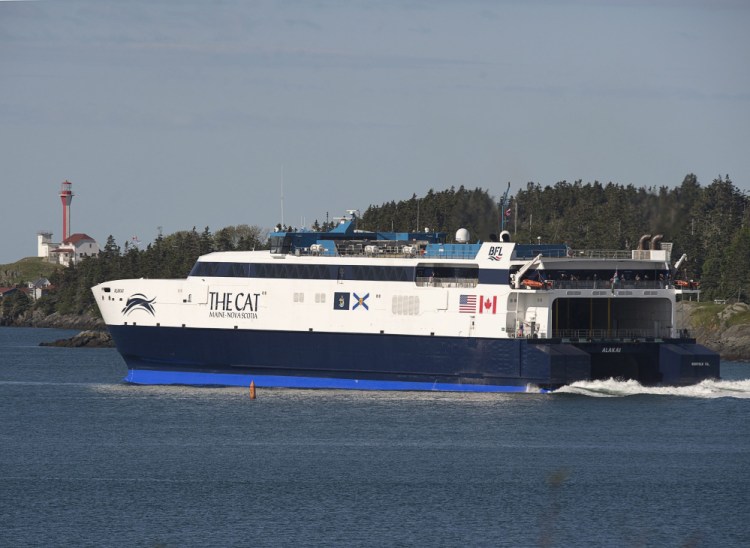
439 296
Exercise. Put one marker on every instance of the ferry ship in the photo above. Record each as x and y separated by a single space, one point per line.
355 309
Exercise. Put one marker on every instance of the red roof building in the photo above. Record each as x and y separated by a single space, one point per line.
74 248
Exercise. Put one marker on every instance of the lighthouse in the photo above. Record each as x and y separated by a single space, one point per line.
66 196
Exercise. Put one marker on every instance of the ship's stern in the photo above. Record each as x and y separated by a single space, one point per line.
671 362
684 363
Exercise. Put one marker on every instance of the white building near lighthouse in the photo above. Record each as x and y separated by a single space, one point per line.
44 244
74 248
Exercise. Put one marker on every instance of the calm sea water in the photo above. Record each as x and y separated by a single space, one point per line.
88 460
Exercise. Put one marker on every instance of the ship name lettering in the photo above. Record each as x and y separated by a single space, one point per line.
233 302
611 349
242 315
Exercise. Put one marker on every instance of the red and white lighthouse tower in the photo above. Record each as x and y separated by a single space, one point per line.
66 196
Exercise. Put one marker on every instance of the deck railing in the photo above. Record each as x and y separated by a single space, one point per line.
607 284
446 282
621 335
616 334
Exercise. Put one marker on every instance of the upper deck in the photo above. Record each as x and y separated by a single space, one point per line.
346 241
427 260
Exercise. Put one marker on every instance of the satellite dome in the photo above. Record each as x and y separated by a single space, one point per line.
462 236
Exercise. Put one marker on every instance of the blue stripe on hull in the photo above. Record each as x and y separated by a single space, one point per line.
144 376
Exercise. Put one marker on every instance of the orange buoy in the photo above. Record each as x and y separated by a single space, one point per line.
252 390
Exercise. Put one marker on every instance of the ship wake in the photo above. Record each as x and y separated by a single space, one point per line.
612 388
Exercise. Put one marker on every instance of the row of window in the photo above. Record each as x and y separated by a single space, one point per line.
325 272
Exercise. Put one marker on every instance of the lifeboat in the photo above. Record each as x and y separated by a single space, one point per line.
682 283
532 284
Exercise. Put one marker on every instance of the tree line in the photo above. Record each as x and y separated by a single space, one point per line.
171 256
710 224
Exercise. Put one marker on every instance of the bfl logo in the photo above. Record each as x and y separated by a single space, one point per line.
495 253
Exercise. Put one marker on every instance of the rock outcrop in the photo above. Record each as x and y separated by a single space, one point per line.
718 332
85 339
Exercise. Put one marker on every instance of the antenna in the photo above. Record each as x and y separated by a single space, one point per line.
503 205
282 196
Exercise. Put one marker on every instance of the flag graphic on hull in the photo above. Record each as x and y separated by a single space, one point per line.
340 301
488 305
467 304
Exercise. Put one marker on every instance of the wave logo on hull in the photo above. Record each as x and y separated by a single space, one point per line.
139 301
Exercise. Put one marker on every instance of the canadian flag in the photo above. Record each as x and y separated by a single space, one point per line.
488 305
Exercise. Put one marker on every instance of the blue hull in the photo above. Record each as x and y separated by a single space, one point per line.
165 355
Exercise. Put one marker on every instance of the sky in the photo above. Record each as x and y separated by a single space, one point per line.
171 115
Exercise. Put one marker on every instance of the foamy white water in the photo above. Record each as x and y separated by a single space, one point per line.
707 389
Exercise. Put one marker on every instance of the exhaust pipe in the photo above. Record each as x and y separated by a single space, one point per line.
643 242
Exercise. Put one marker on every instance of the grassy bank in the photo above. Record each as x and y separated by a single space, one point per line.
25 270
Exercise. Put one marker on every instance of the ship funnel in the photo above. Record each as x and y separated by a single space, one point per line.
643 242
505 236
656 241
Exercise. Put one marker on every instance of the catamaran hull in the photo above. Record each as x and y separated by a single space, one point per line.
312 359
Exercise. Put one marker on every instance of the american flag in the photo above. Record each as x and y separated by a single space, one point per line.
467 304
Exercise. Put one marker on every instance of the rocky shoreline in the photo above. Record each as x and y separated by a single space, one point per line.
93 333
56 320
719 333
